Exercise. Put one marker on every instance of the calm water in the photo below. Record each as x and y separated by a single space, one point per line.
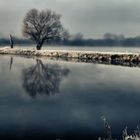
45 99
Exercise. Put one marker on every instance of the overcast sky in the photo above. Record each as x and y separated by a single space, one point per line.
91 17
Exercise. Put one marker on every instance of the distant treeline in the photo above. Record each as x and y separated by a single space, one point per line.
78 40
104 42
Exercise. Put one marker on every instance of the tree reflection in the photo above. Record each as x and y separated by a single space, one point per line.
43 79
11 63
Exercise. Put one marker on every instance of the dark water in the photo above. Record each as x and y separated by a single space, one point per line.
45 99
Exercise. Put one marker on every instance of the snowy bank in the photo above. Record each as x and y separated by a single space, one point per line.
88 56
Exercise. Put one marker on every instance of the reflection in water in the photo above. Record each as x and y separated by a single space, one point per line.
11 63
88 92
43 79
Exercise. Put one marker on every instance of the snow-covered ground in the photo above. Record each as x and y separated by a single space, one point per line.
67 50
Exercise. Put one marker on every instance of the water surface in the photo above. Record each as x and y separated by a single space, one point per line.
47 99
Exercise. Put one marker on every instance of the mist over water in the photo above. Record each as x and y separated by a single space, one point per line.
54 99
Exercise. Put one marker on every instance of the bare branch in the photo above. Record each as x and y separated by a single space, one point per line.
41 26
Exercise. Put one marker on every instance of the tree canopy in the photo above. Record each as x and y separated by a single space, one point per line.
41 26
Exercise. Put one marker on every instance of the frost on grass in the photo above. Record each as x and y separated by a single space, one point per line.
125 134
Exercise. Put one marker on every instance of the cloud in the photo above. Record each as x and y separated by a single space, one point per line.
91 17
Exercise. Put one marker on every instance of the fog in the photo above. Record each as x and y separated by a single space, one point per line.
91 17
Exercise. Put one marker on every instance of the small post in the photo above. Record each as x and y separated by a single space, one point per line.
11 42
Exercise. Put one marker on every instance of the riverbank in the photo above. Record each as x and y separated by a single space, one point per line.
85 56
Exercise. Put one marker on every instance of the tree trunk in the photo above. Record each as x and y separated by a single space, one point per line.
39 45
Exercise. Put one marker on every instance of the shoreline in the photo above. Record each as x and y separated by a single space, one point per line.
120 58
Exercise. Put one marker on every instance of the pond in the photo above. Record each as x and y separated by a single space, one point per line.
48 99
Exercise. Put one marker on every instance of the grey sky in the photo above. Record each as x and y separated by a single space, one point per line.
91 17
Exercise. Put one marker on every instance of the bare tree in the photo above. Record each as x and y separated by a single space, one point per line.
65 35
77 36
110 36
41 26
